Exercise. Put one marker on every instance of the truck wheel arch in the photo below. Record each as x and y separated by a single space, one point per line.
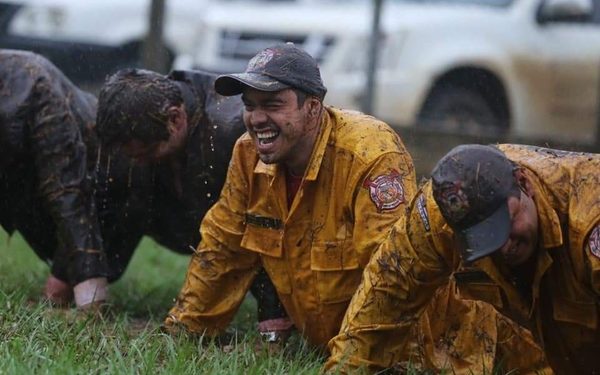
481 90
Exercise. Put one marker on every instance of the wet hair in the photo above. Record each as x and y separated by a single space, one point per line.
133 104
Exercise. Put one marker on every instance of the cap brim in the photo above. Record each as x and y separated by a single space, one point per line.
487 236
233 84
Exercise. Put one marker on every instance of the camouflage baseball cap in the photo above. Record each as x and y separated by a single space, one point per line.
471 186
273 69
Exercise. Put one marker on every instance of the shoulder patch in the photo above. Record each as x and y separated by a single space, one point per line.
422 208
594 241
386 190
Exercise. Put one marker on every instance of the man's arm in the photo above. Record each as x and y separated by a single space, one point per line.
60 160
220 272
397 285
381 196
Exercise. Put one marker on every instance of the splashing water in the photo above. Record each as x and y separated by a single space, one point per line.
97 168
106 181
108 167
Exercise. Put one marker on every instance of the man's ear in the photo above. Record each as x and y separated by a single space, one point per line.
314 106
524 183
177 118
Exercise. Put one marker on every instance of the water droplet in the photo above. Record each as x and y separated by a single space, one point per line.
129 174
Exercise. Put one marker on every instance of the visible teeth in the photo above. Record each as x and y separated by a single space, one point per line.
266 134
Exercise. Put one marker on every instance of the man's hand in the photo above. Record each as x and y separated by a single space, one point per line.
91 293
275 334
58 292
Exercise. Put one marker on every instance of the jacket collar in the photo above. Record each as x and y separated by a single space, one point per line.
548 219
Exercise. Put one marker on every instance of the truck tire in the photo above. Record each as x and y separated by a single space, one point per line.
458 109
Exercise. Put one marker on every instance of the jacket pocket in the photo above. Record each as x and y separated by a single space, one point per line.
267 241
336 271
583 313
476 285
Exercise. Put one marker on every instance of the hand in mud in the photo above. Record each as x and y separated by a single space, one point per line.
58 292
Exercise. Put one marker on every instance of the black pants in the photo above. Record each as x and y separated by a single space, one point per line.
269 305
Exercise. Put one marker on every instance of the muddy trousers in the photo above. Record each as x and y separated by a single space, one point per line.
472 337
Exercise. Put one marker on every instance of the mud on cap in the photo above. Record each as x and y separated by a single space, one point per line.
471 185
273 69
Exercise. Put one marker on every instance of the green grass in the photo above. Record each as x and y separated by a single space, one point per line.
36 338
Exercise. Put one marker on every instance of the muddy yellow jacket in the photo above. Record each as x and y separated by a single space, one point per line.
355 187
561 306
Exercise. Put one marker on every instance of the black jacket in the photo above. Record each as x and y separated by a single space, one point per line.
46 171
158 201
61 190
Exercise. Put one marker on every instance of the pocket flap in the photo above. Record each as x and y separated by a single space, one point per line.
477 285
267 241
332 256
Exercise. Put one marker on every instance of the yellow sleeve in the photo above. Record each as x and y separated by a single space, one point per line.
220 272
380 199
396 287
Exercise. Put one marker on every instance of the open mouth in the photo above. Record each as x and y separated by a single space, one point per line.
267 136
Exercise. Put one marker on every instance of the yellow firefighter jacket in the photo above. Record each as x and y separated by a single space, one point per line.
355 187
561 306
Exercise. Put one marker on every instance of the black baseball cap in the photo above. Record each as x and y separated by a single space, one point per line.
273 69
471 186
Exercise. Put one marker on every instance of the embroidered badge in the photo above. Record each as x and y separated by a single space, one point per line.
453 202
259 61
422 208
594 241
386 191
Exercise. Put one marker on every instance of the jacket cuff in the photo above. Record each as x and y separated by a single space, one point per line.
86 264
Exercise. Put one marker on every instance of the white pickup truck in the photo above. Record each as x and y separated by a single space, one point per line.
531 67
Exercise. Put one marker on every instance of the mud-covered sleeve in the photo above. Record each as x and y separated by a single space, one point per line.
61 163
380 198
220 272
397 284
